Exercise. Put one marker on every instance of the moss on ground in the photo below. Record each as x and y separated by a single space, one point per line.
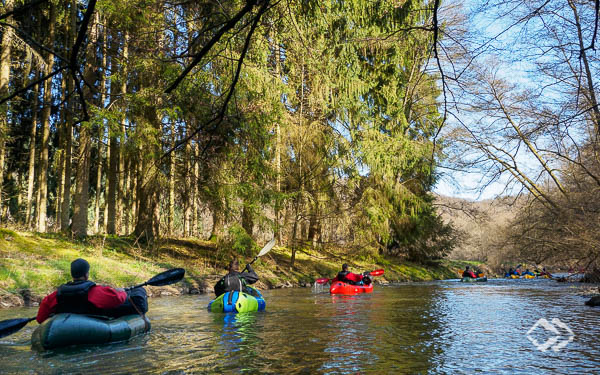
39 262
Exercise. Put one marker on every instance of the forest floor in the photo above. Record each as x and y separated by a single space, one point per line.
34 264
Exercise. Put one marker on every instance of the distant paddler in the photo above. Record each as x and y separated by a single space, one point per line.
469 273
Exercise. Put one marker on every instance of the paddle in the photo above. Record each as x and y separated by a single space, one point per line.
164 278
324 280
10 326
378 272
264 250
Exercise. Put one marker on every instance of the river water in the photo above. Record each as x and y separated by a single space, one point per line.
443 327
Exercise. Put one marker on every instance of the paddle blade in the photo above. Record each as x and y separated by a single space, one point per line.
267 248
168 277
322 280
378 272
10 326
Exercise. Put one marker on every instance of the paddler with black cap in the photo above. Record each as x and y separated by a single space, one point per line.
82 296
352 278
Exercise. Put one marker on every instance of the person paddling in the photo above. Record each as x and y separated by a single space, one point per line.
545 273
351 278
82 296
528 273
236 280
468 273
510 272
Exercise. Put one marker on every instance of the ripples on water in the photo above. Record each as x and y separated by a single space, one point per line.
418 328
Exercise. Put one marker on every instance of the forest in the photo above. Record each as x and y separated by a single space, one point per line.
324 124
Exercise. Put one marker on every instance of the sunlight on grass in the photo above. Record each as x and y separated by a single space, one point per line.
41 262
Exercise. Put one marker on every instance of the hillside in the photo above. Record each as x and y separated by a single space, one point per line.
33 264
481 223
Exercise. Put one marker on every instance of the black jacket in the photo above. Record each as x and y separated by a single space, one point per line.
72 297
236 281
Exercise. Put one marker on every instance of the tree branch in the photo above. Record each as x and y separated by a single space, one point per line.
21 9
204 51
32 84
219 118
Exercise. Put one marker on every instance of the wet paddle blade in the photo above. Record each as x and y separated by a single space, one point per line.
378 272
10 326
267 248
168 277
322 280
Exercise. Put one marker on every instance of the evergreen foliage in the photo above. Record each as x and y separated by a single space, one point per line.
322 134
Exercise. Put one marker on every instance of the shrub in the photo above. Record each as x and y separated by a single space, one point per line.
240 242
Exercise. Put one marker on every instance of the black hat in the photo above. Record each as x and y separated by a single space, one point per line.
79 267
344 266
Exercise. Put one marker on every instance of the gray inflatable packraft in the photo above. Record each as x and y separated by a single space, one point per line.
76 329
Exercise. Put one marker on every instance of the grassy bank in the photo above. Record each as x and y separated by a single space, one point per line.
33 264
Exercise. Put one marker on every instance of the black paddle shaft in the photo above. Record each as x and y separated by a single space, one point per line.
165 278
10 326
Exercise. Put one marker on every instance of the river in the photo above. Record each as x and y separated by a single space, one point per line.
443 327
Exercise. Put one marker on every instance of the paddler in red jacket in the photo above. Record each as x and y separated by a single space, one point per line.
351 278
469 273
80 296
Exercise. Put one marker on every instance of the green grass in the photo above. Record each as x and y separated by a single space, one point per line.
40 262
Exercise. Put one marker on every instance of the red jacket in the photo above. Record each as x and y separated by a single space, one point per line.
469 274
103 297
350 276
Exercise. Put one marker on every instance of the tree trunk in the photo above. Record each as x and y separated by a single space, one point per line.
60 153
65 211
2 156
82 179
43 176
31 167
127 203
187 228
277 233
121 196
194 198
115 168
5 59
135 180
146 229
247 222
588 73
294 242
121 199
98 180
217 224
111 199
100 143
312 225
171 216
106 183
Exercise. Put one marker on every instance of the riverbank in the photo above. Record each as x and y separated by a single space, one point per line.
33 264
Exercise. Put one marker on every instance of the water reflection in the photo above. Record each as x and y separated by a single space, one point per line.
350 346
427 328
237 339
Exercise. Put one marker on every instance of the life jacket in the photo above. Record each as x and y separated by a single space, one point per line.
72 297
341 276
366 280
229 282
469 274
